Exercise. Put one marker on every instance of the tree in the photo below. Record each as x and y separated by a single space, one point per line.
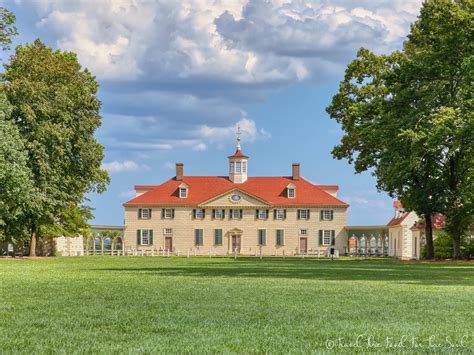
407 116
56 111
7 28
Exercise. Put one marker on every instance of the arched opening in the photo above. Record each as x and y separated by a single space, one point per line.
363 246
373 245
118 243
385 246
107 244
379 246
97 245
353 245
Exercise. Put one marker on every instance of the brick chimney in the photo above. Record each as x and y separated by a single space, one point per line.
296 171
179 171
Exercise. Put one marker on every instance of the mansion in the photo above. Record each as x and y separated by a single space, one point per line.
224 215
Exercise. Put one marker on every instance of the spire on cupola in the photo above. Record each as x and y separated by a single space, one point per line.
238 166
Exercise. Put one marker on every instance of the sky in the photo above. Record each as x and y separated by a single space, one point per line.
178 77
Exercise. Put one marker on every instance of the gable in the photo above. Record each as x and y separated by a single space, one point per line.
225 200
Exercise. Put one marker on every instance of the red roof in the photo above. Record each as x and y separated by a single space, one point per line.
438 221
398 220
238 154
272 190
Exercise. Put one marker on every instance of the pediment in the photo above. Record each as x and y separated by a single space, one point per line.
229 200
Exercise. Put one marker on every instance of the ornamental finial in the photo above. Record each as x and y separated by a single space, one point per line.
238 137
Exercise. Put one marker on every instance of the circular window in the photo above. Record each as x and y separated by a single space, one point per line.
235 198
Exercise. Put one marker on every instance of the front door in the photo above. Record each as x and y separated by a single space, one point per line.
236 243
169 243
303 245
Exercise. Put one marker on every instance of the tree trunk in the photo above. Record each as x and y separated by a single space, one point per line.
429 237
456 242
33 242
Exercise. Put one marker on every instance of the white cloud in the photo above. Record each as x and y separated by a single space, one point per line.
125 166
127 194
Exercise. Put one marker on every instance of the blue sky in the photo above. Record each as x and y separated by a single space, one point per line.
178 77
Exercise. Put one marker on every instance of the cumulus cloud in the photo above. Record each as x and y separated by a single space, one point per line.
125 166
175 72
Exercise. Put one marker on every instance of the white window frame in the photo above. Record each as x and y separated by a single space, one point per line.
145 215
232 167
238 167
326 234
280 214
181 190
168 213
303 232
244 167
167 231
199 213
291 192
326 215
144 237
218 214
262 214
306 214
236 216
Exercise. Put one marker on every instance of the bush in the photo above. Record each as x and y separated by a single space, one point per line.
443 247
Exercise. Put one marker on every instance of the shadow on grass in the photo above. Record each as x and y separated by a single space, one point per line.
307 269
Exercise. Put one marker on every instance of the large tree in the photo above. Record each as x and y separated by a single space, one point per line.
407 116
56 110
7 28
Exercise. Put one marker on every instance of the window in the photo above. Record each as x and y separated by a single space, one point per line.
217 236
280 237
144 213
303 214
232 167
303 232
262 214
167 213
327 237
291 192
199 213
238 167
144 236
327 215
236 214
218 214
168 231
280 214
244 166
262 237
183 192
198 237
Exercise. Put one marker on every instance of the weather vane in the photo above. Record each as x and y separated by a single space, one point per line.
238 137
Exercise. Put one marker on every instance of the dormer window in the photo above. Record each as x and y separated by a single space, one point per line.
291 191
183 191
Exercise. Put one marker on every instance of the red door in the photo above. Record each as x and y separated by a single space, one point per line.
236 243
303 245
169 243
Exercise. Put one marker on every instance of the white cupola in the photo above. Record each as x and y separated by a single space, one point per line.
238 166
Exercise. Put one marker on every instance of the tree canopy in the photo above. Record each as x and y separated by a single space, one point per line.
408 115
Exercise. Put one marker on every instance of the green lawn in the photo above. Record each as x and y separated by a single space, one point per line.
158 304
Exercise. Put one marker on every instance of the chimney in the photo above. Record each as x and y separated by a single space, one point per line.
296 171
179 171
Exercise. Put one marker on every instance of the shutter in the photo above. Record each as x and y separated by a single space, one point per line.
139 213
274 214
213 214
172 213
333 237
332 215
194 213
298 214
321 215
256 214
284 214
196 236
320 237
223 214
138 237
149 213
150 233
268 213
230 214
203 213
241 214
309 214
162 213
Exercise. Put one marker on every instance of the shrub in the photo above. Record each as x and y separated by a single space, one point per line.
443 247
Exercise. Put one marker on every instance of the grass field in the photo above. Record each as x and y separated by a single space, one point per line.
248 305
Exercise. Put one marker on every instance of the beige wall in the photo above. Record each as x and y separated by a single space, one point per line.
183 226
